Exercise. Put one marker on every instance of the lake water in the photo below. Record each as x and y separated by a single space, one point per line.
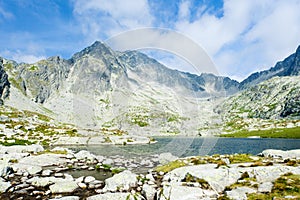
191 146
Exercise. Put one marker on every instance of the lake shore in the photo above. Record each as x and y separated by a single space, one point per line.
31 172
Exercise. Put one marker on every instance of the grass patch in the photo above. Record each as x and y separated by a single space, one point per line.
240 158
286 185
17 142
272 133
170 166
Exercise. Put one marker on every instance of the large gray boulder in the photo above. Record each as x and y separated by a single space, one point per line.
115 196
179 192
274 153
240 193
4 185
63 187
34 148
122 181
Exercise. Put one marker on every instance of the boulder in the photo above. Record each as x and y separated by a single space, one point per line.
179 192
122 181
240 193
44 181
165 158
34 148
281 154
265 187
63 187
218 179
115 196
67 198
148 191
84 155
4 186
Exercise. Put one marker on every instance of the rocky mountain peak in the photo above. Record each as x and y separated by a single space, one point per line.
290 66
97 50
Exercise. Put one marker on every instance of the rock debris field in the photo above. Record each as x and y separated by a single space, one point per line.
31 172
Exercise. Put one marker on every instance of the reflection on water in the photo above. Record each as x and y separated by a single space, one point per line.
190 146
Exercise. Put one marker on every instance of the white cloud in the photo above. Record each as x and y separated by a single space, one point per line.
102 18
251 35
20 56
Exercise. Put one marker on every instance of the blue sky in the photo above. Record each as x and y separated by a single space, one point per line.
240 36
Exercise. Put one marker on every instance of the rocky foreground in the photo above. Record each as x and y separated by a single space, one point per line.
30 172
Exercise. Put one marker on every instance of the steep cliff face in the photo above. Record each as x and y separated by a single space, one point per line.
4 84
288 67
146 69
39 80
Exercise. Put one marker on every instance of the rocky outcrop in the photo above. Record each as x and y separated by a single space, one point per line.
276 98
288 67
4 83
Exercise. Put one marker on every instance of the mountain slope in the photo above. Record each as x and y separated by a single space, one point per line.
100 88
288 67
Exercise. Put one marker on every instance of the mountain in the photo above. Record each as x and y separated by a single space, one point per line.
4 84
101 88
288 67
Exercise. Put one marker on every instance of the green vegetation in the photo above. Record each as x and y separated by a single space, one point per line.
117 170
286 185
272 133
170 166
33 68
192 179
16 141
240 158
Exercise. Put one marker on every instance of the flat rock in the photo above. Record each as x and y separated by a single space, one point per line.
44 181
83 154
67 198
4 186
149 191
281 154
122 181
34 148
63 187
265 187
179 192
114 196
240 193
43 160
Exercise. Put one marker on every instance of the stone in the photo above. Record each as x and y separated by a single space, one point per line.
150 177
82 185
67 198
281 154
43 181
218 179
83 154
114 196
32 170
122 181
179 192
34 148
63 187
148 191
89 179
5 170
42 160
240 193
4 186
265 187
165 158
47 172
